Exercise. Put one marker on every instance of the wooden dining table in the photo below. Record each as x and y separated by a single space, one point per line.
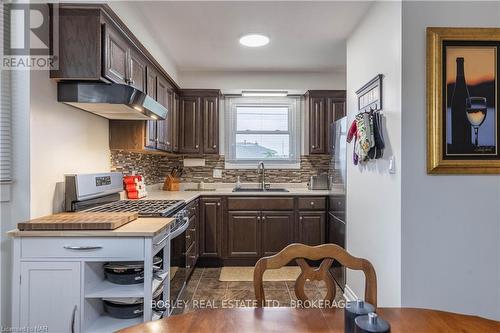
290 320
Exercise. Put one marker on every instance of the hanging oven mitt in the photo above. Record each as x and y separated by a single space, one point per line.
353 134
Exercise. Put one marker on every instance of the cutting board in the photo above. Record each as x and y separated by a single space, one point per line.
79 221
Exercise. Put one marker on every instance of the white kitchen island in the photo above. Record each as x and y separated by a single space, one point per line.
61 280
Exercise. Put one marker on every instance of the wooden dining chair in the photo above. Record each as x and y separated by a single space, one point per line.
327 252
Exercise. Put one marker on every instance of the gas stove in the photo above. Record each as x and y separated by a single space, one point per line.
151 208
101 193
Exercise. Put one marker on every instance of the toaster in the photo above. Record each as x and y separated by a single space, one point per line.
319 182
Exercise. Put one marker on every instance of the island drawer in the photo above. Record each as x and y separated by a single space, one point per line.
82 247
312 203
260 203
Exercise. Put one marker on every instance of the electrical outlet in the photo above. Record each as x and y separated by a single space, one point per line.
217 173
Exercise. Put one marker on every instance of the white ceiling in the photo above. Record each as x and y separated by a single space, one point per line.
203 36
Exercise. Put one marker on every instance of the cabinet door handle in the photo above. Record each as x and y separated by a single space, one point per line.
131 81
214 146
218 204
313 147
300 218
73 319
312 203
197 146
258 218
263 218
82 248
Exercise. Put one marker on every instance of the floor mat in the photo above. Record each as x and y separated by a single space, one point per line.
237 273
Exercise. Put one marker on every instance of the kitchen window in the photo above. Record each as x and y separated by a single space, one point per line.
262 129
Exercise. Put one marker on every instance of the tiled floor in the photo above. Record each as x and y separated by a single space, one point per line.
204 290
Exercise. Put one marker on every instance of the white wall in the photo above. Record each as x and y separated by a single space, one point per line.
451 224
18 208
230 81
373 195
63 140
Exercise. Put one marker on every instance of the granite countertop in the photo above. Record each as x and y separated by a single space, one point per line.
142 227
155 192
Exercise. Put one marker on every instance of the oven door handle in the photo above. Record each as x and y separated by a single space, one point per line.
181 229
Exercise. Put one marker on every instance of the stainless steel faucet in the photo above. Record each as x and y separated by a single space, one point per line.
263 182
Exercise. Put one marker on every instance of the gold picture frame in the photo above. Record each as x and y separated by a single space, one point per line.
438 160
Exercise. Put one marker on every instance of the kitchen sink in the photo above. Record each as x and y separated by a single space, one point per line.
246 189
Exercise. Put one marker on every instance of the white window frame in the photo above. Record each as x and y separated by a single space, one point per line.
294 130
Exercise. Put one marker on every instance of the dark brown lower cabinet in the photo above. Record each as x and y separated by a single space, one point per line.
255 234
277 231
311 228
210 227
244 234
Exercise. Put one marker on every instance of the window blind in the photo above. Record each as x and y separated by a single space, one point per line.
5 109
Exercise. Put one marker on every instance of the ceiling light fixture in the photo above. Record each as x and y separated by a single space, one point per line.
254 40
264 93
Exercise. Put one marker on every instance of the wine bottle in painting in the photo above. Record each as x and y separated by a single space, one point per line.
460 126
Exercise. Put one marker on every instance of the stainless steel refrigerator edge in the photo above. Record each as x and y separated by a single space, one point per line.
338 186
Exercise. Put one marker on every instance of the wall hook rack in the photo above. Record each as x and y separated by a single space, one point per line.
370 95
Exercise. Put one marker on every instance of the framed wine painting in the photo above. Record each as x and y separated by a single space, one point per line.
463 123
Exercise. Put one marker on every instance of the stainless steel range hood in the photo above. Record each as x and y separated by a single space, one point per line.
112 101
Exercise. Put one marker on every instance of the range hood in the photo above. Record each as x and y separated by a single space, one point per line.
112 101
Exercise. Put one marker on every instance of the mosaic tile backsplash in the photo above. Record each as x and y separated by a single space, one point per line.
155 167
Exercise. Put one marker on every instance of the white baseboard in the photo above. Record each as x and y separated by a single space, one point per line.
349 295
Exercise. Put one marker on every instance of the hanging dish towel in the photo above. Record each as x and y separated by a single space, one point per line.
363 134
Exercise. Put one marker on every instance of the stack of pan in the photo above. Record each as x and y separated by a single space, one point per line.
126 273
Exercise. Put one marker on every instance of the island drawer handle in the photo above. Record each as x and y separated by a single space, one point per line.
82 248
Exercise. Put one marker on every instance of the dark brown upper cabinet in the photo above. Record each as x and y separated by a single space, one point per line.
324 107
190 125
335 111
317 138
137 65
162 125
94 44
210 125
199 121
174 104
123 63
116 55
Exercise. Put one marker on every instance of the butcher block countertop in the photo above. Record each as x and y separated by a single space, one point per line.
142 227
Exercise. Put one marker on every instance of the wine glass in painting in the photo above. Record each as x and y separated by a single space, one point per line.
476 109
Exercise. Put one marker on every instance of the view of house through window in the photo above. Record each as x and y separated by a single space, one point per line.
263 130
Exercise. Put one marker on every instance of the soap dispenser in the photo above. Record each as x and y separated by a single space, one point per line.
238 183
